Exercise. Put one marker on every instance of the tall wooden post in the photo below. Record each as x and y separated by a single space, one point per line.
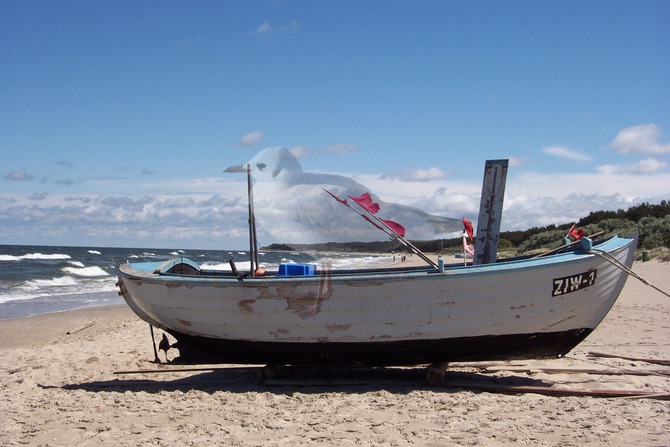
490 211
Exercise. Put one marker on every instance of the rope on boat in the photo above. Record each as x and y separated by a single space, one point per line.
615 262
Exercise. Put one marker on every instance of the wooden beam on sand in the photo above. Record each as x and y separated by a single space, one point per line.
599 372
635 359
489 388
182 370
550 391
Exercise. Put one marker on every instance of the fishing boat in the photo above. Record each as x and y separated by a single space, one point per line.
517 309
305 314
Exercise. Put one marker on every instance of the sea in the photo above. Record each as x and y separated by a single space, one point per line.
37 280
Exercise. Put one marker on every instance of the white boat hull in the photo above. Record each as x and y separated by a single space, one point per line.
519 309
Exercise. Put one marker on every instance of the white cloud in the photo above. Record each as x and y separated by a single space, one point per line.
526 210
648 166
38 196
150 220
19 175
428 174
195 212
516 162
642 138
568 154
417 175
531 199
264 28
251 139
603 183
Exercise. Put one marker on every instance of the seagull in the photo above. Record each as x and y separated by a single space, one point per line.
164 345
293 207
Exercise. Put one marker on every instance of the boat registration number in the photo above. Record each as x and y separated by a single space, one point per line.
573 283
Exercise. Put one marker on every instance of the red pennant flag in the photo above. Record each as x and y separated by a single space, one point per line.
344 201
372 222
467 227
395 226
576 233
366 202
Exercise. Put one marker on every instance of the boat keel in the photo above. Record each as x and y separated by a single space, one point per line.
199 350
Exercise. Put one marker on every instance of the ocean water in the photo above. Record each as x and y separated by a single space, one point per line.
43 279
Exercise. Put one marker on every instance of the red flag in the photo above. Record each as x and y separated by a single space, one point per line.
366 202
395 226
467 227
577 234
373 223
344 201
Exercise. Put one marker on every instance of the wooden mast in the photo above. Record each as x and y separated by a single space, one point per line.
490 211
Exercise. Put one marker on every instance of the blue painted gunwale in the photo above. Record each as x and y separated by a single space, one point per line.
151 271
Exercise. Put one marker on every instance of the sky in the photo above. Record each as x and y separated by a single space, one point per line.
117 119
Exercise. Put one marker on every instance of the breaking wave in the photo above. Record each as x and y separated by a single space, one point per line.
58 282
35 256
87 272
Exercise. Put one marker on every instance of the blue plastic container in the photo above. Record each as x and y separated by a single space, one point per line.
296 270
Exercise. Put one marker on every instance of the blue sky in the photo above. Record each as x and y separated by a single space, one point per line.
117 118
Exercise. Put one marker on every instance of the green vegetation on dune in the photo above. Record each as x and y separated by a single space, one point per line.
652 222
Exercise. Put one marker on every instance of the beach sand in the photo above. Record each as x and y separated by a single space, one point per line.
58 387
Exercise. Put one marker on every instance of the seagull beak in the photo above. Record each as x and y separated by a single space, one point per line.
236 168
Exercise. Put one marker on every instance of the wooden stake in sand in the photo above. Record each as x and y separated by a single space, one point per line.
550 391
596 372
635 359
86 326
153 343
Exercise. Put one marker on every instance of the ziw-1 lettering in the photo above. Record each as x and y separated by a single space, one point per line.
573 283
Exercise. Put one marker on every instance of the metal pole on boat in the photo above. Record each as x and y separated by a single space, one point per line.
385 228
404 241
465 252
253 253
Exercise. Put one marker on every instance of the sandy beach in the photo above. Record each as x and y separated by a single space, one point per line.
58 387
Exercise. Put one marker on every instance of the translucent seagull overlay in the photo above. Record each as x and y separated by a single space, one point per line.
293 207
